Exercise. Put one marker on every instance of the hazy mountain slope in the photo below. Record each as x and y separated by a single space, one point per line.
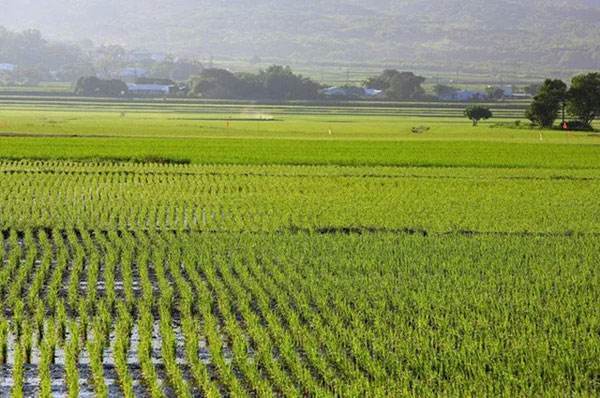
537 32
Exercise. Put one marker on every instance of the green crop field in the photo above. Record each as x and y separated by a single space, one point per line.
186 249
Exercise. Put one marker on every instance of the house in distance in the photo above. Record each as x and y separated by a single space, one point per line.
348 92
148 87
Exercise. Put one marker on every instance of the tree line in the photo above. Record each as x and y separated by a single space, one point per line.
277 83
580 101
274 83
37 59
554 99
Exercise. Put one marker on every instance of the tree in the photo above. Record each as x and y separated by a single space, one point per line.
442 91
280 83
550 100
40 60
91 86
274 83
542 111
584 98
251 86
476 113
381 82
216 84
398 85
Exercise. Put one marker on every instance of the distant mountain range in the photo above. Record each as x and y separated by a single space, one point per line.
441 33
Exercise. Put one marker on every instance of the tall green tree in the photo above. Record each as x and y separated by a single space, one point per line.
542 111
274 83
398 85
476 113
216 84
91 86
584 98
280 83
545 106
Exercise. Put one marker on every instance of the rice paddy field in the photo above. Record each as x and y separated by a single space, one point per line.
180 249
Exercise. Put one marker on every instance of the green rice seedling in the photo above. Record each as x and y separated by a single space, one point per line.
72 351
121 347
4 330
47 348
95 348
17 371
150 377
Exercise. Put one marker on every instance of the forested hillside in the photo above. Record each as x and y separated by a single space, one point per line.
548 33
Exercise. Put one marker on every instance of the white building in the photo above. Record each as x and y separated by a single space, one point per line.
150 89
371 92
350 92
464 96
508 90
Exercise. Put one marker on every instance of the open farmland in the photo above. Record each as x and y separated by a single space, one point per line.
245 250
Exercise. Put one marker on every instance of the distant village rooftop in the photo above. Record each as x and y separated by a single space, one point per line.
350 92
150 89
